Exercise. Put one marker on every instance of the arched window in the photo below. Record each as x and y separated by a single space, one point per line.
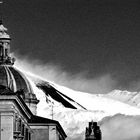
6 52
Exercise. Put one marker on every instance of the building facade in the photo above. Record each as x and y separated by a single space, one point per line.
93 132
18 103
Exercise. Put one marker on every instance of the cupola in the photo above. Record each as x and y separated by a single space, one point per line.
11 77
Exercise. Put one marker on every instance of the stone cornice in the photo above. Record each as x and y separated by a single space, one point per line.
19 103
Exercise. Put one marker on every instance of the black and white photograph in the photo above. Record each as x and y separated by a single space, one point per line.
69 70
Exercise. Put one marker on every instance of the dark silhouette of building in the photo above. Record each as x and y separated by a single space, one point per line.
93 132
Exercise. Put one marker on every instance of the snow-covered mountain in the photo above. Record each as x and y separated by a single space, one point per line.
131 98
110 110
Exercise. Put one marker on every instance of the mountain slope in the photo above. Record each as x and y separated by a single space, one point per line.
131 98
98 107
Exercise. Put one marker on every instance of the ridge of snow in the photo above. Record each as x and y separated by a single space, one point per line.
131 98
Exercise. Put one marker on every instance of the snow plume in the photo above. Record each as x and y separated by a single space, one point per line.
51 72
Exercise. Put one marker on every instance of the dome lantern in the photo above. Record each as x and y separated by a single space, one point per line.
5 58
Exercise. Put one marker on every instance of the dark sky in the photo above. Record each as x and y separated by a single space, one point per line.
96 36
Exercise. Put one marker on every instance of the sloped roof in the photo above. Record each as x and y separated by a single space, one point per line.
38 119
45 121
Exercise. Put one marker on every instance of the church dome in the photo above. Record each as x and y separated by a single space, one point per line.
14 79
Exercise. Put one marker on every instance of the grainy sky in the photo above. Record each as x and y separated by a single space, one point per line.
97 37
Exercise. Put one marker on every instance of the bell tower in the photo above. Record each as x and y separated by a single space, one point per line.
93 132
